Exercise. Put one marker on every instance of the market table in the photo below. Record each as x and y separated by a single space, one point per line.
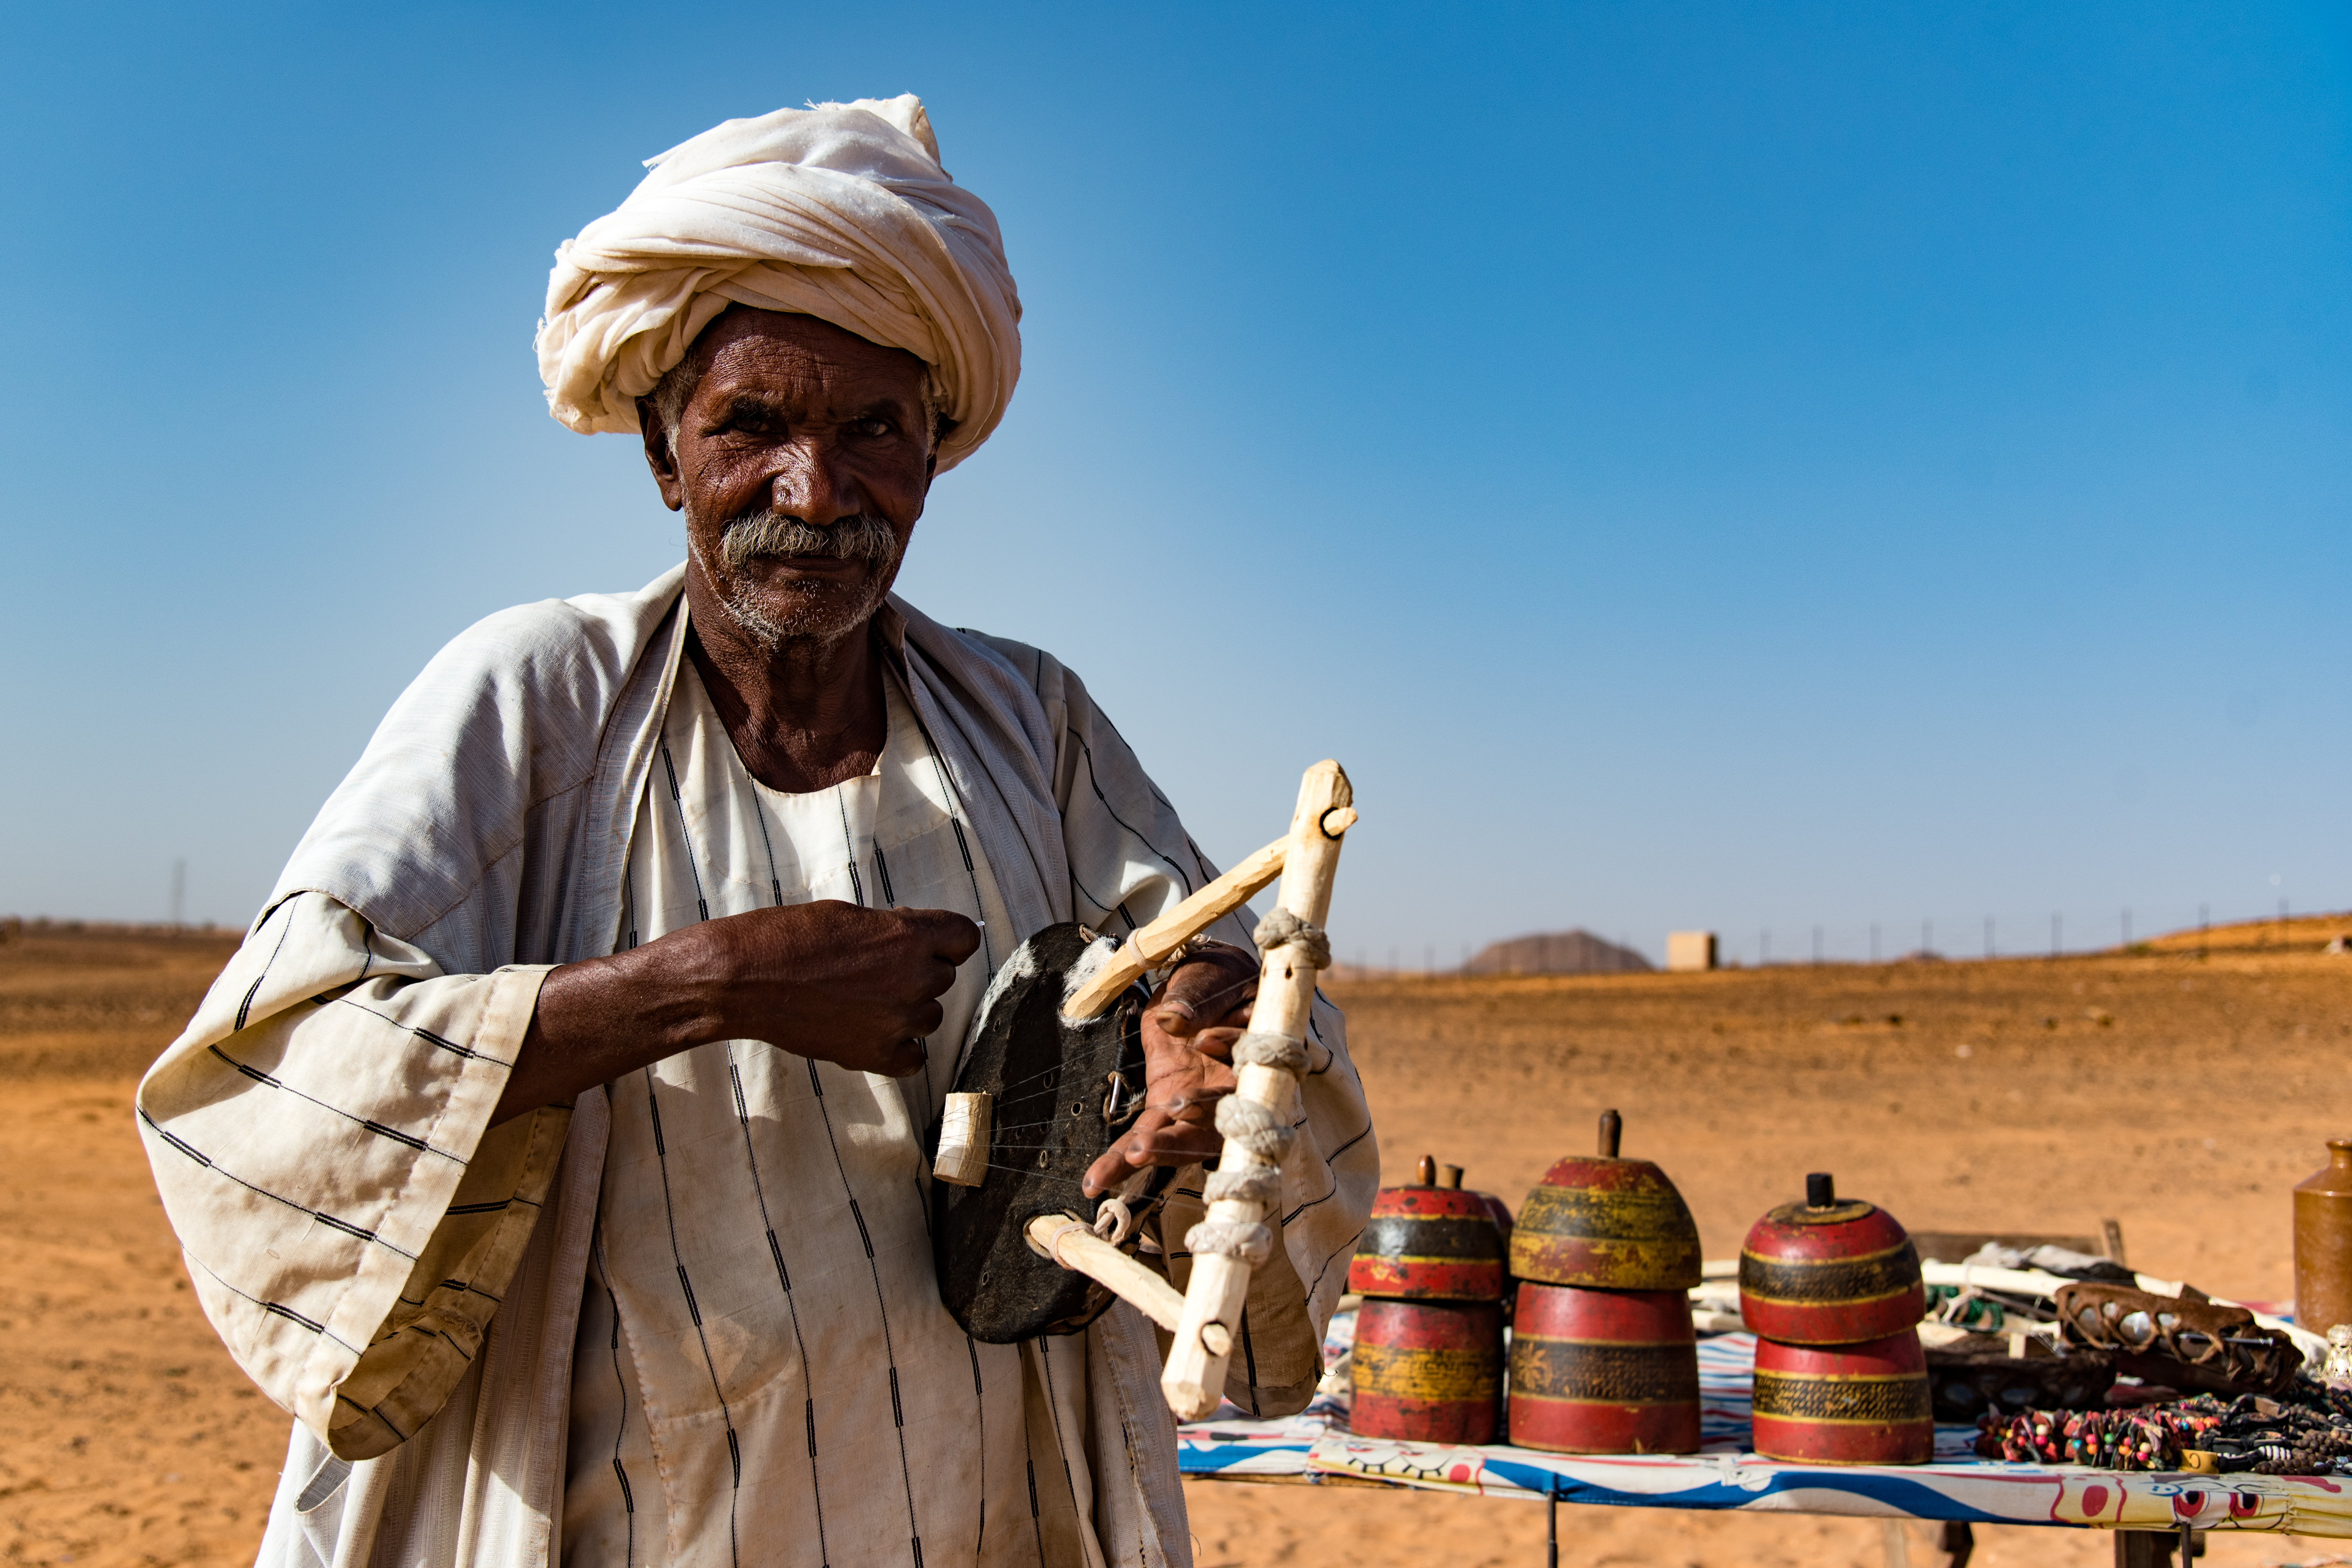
1316 1446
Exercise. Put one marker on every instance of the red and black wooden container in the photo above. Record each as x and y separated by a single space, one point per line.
1427 1371
1826 1272
1603 1360
1604 1372
1428 1360
1606 1223
1831 1289
1863 1404
1430 1243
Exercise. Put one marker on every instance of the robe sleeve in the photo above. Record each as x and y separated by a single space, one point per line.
1130 860
320 1137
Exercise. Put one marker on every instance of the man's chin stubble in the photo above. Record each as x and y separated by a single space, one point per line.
821 611
813 613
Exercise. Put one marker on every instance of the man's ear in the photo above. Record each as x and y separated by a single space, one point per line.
659 458
940 427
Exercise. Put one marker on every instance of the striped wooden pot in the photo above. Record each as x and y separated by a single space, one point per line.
1606 1223
1604 1372
1826 1272
1430 1243
1427 1371
1844 1405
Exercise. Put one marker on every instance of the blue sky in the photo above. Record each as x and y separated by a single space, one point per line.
1748 467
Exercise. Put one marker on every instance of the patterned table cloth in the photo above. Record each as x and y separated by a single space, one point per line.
1315 1445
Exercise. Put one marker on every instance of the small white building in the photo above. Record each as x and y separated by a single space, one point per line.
1690 949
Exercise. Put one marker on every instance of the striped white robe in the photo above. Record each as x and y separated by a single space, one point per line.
409 1283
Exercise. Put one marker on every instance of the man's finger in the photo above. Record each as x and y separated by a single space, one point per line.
1216 1043
1210 986
1175 1019
1173 1143
950 935
1104 1174
1180 1019
1112 1168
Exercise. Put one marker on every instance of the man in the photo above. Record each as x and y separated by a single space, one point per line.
555 1148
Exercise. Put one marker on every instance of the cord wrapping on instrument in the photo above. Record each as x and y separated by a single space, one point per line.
1260 1049
1252 1243
1113 1221
1280 928
1260 1184
1062 1232
1265 1135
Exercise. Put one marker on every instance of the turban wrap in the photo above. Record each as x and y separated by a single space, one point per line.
840 212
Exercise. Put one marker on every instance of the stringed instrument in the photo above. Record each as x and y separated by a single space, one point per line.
1055 1075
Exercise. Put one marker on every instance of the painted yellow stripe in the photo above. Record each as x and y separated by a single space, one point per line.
1825 1306
1520 1336
1825 1262
1425 1374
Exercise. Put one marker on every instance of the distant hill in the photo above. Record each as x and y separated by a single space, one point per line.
1558 953
2309 933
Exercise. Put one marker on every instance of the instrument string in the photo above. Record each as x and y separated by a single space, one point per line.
1171 1106
1006 1090
1033 1174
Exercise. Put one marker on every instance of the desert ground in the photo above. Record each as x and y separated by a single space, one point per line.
2181 1088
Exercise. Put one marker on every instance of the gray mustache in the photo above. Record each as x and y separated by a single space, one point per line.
860 537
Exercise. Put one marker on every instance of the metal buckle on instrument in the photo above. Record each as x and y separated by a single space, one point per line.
1122 1103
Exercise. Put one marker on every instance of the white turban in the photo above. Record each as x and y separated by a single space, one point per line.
840 212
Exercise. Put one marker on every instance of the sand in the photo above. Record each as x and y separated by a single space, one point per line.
126 1436
2182 1096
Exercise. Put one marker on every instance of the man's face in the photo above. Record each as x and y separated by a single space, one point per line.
801 462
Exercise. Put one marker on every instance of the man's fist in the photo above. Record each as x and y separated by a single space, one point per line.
854 986
829 980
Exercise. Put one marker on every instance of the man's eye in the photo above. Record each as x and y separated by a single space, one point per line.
875 427
751 419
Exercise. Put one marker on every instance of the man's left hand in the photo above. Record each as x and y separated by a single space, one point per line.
1189 1029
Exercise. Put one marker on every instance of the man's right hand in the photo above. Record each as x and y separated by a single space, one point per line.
854 986
831 981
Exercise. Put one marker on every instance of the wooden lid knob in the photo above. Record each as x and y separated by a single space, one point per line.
1426 1175
1612 1129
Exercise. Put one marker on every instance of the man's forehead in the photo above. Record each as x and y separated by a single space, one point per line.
770 353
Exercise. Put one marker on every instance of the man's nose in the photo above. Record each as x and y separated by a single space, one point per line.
814 485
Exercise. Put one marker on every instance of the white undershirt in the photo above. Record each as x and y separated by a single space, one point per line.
701 1383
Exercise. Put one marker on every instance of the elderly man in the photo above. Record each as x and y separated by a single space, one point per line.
555 1147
